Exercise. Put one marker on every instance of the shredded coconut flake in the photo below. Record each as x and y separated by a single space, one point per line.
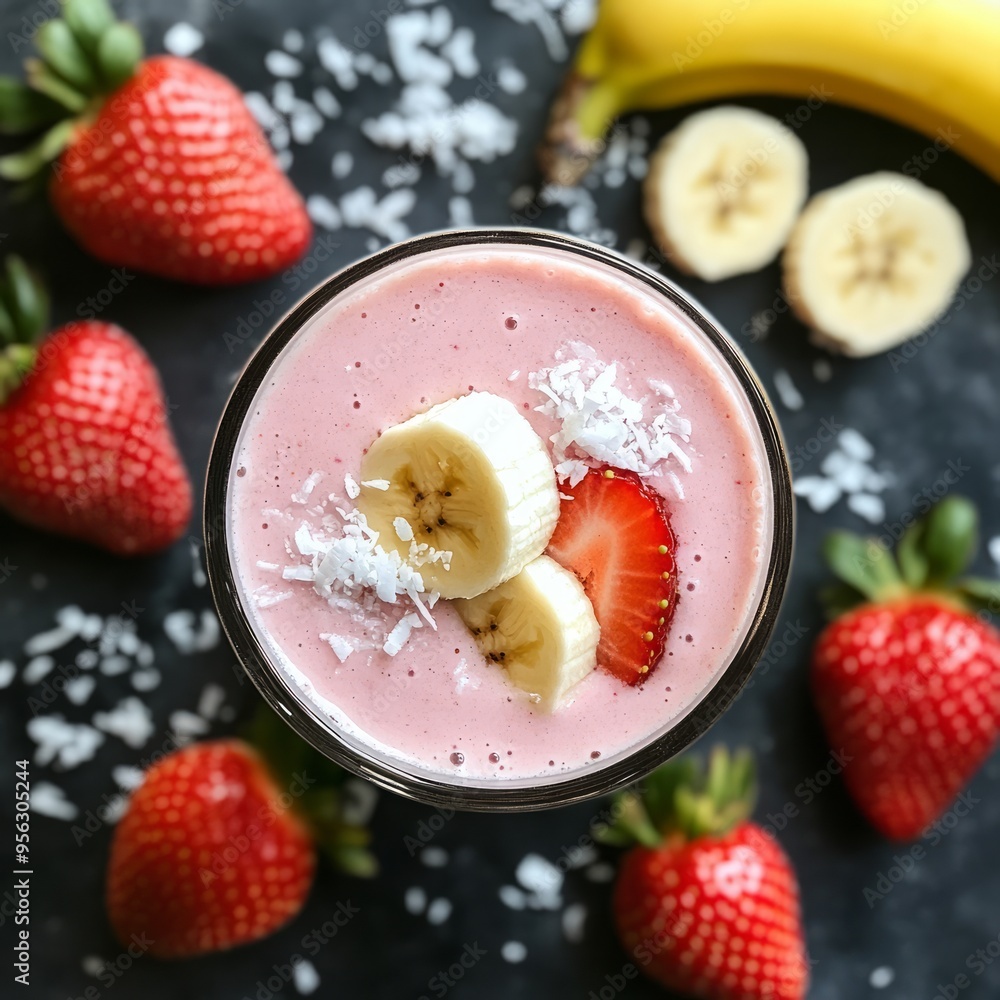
305 977
400 633
377 484
183 39
598 421
212 698
513 952
37 669
341 645
787 391
403 530
351 487
67 743
439 911
573 919
512 897
302 497
130 720
50 800
415 900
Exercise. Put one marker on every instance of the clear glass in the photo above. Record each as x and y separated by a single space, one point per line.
435 788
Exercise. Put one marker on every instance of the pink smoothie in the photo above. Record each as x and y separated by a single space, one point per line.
422 332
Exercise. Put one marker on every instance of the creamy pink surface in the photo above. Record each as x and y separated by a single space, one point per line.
435 329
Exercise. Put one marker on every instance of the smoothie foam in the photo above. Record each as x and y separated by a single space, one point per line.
435 327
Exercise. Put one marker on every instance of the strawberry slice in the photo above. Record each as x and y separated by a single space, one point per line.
615 536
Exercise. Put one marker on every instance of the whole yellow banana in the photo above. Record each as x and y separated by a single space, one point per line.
931 64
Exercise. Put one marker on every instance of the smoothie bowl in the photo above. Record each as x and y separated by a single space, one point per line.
498 519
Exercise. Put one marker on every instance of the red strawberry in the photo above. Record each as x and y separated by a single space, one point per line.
708 903
207 856
213 852
85 447
615 535
170 174
908 683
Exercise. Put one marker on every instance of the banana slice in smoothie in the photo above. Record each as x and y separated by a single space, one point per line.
723 191
874 261
469 477
539 627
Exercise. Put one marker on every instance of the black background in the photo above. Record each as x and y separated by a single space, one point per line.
942 406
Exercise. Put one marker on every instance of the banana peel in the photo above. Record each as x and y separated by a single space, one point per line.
933 65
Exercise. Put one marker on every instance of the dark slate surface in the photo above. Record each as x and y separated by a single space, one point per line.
941 407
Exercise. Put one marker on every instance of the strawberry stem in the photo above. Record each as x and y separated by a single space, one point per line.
24 313
930 555
85 56
683 799
322 805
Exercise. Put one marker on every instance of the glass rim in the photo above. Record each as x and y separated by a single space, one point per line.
280 690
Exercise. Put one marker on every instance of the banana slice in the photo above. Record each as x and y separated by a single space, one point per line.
540 627
723 191
468 477
874 261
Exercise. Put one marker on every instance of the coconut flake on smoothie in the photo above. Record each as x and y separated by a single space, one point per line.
499 538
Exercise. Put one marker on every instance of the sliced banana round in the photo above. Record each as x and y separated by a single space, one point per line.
540 627
723 191
472 494
874 261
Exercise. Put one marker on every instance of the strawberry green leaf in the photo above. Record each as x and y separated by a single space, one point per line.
88 20
682 797
20 166
15 363
321 805
910 555
356 861
64 55
950 538
659 791
862 563
632 823
981 593
27 298
118 53
8 332
839 598
23 109
42 79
